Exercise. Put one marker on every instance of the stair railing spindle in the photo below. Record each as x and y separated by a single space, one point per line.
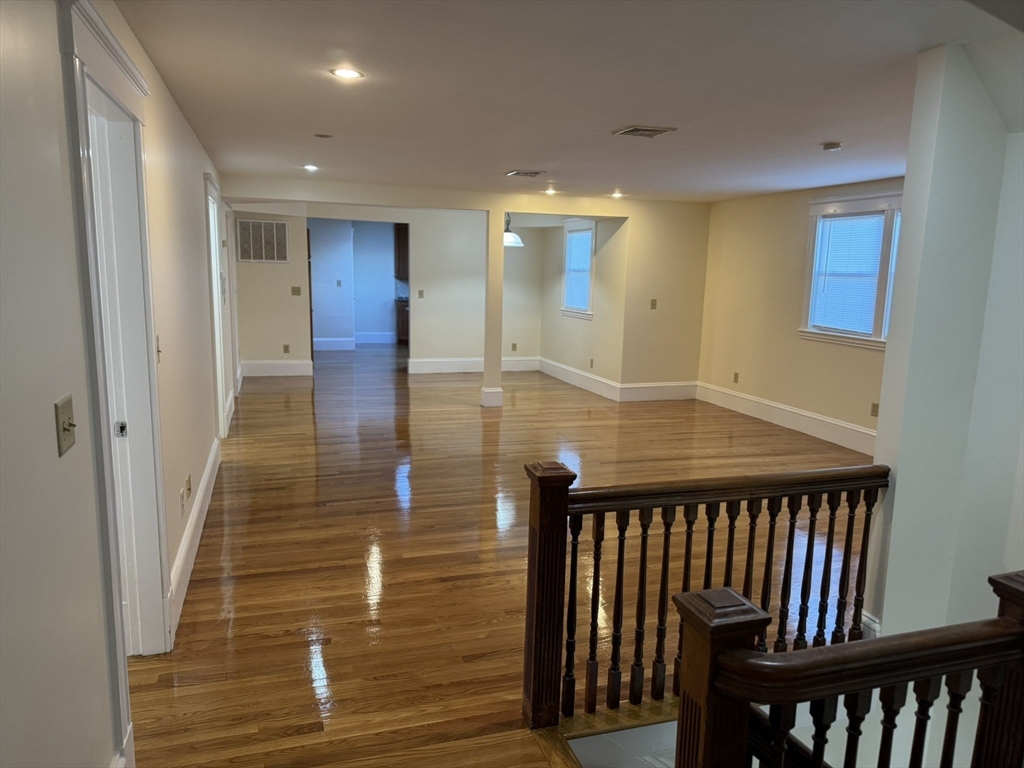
636 670
668 517
590 694
569 678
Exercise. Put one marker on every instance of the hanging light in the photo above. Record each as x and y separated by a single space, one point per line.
511 239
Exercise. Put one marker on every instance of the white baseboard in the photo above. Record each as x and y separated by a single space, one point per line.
326 344
229 409
373 337
181 571
238 377
871 623
277 367
520 363
666 390
125 758
446 365
581 379
491 397
842 433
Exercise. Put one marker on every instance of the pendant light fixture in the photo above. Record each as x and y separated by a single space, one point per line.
510 238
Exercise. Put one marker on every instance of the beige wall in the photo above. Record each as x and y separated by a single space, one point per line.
268 315
754 304
573 341
175 162
57 683
524 291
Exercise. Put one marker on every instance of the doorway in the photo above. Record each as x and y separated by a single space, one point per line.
219 290
129 365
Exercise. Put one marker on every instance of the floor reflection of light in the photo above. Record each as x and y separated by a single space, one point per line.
570 458
505 513
318 672
374 583
402 488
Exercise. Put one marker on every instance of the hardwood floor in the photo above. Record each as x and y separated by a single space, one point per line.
358 594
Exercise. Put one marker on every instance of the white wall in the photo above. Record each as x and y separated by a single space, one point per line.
373 267
57 682
330 246
524 291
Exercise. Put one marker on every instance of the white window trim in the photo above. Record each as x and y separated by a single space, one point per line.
885 202
579 225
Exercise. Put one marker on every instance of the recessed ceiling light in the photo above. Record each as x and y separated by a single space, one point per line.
347 74
323 136
616 193
831 146
549 191
311 168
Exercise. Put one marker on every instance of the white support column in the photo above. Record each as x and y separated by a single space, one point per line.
491 393
950 201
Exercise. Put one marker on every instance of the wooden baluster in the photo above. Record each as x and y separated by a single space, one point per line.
714 621
834 498
852 502
814 503
545 591
690 517
856 631
823 714
926 691
590 695
636 671
569 678
782 718
732 511
668 517
999 739
957 686
774 507
857 707
892 697
795 502
711 511
614 672
753 512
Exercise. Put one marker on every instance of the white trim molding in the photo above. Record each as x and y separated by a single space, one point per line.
588 381
491 397
93 21
664 390
277 368
238 378
229 409
872 624
181 571
327 344
842 338
842 433
520 364
620 393
469 364
373 337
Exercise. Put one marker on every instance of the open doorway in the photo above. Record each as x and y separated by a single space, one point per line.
220 310
359 290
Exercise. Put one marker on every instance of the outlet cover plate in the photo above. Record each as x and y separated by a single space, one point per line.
296 290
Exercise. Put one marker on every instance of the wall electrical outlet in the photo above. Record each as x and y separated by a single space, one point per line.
514 346
874 409
181 501
339 283
654 303
736 378
591 362
188 487
286 348
419 293
296 290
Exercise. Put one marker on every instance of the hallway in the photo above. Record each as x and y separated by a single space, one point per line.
358 594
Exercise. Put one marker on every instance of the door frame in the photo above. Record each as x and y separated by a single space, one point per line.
219 292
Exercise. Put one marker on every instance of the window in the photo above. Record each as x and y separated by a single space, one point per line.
578 281
852 255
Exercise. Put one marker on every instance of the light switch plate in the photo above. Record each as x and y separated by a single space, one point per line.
65 413
296 290
420 293
339 283
654 303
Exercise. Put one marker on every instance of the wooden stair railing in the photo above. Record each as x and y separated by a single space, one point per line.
723 674
819 510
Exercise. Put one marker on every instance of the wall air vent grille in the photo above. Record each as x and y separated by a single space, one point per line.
644 131
265 241
531 174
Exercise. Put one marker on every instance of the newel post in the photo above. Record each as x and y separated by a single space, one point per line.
712 725
1000 739
545 591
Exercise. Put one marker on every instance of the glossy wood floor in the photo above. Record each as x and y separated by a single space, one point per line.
357 598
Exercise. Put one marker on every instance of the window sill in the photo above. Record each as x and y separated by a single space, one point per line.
840 338
577 313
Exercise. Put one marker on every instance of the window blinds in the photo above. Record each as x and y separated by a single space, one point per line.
578 262
847 256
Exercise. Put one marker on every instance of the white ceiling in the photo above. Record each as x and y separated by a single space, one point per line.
457 93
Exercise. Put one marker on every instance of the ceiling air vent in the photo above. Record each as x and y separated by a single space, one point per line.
644 131
531 174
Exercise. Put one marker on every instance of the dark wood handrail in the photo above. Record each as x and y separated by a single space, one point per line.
814 673
613 498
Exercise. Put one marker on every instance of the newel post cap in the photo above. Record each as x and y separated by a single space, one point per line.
1009 587
550 473
715 612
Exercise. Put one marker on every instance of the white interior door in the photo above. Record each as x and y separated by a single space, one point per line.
114 156
219 302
